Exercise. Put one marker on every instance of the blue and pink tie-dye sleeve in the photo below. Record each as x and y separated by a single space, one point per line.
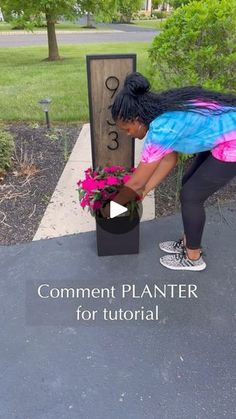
159 141
191 133
154 152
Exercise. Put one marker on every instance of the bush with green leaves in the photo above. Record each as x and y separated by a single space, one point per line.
6 149
178 3
159 14
197 46
142 16
21 21
124 10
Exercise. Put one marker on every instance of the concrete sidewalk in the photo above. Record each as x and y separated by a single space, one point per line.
181 366
64 215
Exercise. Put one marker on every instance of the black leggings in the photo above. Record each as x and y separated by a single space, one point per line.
205 176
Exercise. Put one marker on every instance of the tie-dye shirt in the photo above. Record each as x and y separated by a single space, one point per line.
192 132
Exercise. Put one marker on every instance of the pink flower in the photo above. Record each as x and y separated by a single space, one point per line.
89 184
95 188
113 169
126 178
88 172
112 180
101 184
83 202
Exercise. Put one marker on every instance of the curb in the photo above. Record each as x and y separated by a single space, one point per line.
58 32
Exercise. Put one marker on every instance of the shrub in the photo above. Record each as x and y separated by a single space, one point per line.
197 46
21 22
159 14
18 22
143 16
6 149
135 16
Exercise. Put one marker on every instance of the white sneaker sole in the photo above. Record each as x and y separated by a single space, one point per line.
183 268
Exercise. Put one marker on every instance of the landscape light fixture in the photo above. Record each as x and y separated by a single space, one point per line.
45 103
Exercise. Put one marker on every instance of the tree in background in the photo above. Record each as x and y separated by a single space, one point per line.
93 8
178 3
126 8
156 4
120 10
197 46
29 11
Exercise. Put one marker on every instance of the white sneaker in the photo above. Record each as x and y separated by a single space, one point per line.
172 246
180 261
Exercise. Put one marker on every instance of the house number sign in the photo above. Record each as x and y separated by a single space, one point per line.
106 74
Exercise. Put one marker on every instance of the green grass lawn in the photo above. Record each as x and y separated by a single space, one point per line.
151 24
5 27
25 79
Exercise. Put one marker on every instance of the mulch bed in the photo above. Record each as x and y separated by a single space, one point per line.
38 161
37 164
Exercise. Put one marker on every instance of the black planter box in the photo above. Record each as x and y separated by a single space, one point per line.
117 236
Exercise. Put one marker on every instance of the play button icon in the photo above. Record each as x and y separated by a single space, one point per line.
116 209
121 220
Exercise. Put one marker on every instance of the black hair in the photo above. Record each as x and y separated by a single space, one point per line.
136 101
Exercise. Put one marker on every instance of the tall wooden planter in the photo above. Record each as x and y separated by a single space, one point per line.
109 145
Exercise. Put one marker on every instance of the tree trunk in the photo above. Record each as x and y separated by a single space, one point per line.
125 18
53 52
89 20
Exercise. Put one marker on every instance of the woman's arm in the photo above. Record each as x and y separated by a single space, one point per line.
145 178
134 186
136 183
164 168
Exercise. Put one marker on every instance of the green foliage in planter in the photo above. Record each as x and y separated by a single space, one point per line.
197 46
6 149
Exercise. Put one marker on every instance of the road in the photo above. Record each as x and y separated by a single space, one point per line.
127 35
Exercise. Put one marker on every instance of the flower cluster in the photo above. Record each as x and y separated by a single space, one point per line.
101 185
